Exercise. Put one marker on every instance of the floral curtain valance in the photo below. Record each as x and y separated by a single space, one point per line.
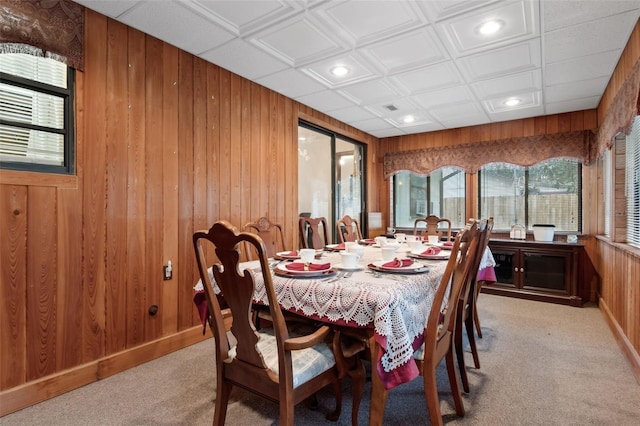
54 28
620 115
523 151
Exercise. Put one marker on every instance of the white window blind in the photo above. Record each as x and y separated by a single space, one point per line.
606 172
32 110
633 184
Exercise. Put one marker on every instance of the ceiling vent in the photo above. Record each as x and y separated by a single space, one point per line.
391 107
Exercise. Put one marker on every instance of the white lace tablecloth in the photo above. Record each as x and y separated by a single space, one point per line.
396 306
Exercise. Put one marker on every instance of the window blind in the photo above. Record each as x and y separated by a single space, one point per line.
633 184
606 172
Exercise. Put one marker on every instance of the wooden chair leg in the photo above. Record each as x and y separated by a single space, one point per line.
455 386
460 355
431 394
223 391
472 341
476 320
337 390
358 376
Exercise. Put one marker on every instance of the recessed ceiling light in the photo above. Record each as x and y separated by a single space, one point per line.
512 102
339 70
490 27
409 119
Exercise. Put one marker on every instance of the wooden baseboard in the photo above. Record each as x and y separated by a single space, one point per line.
31 393
627 348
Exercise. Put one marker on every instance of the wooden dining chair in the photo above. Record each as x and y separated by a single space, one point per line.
439 331
348 229
433 226
271 234
466 306
313 232
478 284
276 363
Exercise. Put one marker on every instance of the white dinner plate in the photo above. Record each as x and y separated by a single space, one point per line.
414 267
348 268
439 256
283 270
331 246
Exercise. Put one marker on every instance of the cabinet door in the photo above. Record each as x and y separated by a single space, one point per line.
506 266
546 271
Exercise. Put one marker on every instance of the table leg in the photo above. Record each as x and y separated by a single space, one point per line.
378 392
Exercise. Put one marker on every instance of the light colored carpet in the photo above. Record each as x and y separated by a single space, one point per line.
542 364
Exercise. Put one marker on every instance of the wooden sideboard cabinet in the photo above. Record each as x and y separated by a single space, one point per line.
544 271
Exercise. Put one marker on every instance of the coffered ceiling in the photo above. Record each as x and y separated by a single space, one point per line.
427 60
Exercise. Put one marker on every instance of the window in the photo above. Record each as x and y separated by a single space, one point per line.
549 193
606 177
36 114
633 184
442 193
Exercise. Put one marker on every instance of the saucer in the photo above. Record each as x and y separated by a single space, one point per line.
348 268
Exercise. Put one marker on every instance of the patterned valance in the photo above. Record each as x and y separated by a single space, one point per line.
523 151
621 112
54 28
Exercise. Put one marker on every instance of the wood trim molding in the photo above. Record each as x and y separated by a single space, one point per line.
625 345
31 393
15 177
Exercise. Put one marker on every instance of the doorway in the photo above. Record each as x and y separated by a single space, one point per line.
330 177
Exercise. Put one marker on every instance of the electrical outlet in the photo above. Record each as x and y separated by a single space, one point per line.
167 271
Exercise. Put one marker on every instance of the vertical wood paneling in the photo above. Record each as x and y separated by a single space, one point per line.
185 190
213 145
224 164
244 143
117 120
235 151
42 282
136 190
93 164
170 201
70 284
153 183
13 276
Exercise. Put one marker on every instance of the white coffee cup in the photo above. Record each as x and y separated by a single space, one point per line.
410 238
388 253
400 237
349 244
307 255
381 241
349 260
414 245
391 230
356 248
434 239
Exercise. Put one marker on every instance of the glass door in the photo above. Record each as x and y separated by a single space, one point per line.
330 177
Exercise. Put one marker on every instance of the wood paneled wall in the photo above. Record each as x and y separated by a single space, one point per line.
166 144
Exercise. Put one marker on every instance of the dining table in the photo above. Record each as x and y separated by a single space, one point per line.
387 306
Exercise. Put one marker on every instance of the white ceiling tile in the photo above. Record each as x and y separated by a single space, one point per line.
297 42
572 105
325 101
399 107
112 8
321 71
451 112
496 63
429 78
369 91
350 114
452 95
244 59
534 111
509 84
519 18
527 100
562 14
291 83
583 68
365 21
385 133
246 16
373 124
586 39
575 90
168 20
411 50
437 10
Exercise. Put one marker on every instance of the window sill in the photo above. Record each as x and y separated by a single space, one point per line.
632 250
14 177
